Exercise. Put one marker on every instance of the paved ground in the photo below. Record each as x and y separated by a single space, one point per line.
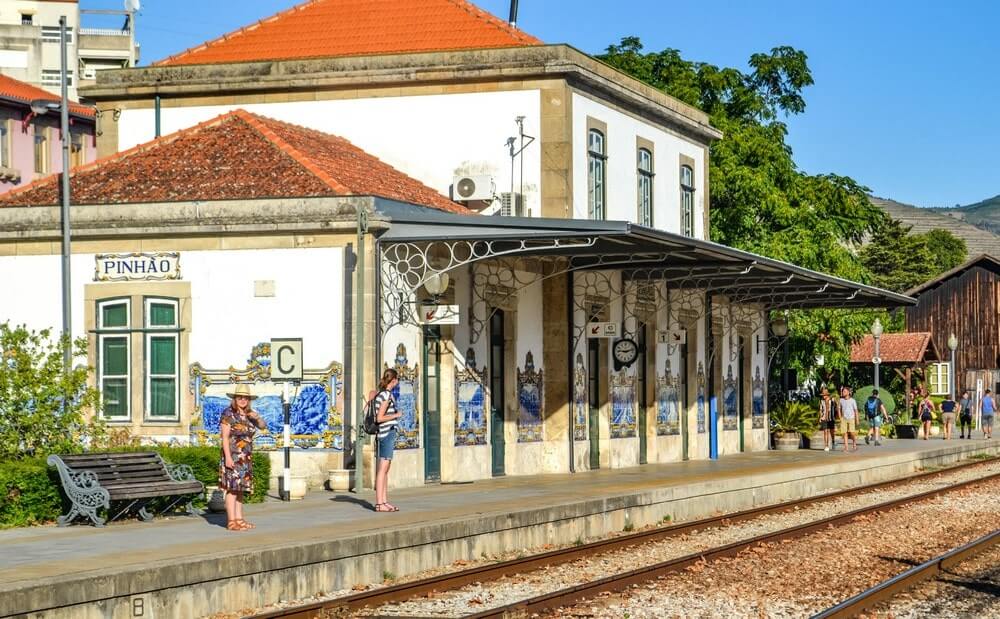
48 552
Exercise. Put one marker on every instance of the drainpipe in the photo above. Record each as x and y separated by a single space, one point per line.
513 14
713 401
571 365
156 114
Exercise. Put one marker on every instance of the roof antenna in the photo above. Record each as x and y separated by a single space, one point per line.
513 14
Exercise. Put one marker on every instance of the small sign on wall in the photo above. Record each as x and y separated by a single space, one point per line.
602 329
142 266
674 337
439 314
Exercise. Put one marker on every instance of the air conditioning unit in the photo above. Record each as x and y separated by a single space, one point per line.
473 188
511 204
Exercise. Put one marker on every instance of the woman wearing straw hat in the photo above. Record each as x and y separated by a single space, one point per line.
238 425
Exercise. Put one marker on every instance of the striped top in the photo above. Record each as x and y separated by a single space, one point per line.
385 426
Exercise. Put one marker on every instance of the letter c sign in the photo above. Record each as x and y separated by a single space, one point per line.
286 359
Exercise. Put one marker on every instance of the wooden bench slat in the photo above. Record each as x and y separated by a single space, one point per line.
110 462
149 494
122 467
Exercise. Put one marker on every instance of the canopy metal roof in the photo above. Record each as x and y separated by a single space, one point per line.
601 245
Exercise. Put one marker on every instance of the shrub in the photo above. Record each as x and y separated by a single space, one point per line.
795 417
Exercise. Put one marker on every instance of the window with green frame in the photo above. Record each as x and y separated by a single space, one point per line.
114 375
161 359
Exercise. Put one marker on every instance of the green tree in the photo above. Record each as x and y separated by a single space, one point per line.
899 261
42 407
948 250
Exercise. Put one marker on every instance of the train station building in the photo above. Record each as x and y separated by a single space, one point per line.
562 309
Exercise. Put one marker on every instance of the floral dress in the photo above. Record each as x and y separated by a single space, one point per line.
241 433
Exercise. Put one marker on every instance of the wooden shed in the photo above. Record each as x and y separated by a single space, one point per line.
964 301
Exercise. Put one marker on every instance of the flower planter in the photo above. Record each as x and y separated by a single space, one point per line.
298 487
216 500
787 441
906 431
339 480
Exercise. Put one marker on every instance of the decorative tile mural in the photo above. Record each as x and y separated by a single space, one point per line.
622 405
406 395
470 405
580 403
758 400
668 418
317 404
701 399
529 402
730 397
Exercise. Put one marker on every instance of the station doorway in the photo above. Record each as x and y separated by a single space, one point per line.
432 404
497 367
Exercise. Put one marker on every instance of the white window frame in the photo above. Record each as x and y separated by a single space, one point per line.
644 186
160 331
942 372
5 143
50 34
53 77
115 332
44 157
597 166
687 200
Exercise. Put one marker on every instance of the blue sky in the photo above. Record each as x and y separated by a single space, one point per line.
906 92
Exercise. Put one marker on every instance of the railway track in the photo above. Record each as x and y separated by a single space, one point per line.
344 606
886 590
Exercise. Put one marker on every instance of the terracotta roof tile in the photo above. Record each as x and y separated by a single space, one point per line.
895 348
327 28
22 92
238 155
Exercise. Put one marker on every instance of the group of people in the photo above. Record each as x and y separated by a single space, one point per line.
844 412
239 423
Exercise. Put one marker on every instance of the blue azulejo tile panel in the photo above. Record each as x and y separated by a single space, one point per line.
730 419
470 422
668 421
622 405
407 394
758 400
701 412
529 400
580 403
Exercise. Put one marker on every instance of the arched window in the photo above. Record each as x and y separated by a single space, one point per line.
645 187
687 201
596 174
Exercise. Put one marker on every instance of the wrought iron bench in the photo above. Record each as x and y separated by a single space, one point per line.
130 481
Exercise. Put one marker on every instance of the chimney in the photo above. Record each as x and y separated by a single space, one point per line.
513 13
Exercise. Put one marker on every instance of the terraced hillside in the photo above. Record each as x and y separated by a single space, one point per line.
922 220
984 214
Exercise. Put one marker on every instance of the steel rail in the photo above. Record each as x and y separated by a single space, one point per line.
619 582
487 573
888 589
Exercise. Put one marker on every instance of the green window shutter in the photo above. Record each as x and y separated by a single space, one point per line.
162 355
162 315
114 315
115 397
163 397
114 356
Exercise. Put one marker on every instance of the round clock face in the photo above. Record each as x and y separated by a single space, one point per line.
625 351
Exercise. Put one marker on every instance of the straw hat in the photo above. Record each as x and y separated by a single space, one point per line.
242 389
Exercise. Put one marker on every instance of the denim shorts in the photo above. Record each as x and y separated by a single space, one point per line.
385 445
876 421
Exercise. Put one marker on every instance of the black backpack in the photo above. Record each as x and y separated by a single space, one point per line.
370 423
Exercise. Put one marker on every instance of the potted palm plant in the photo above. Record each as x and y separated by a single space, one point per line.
790 422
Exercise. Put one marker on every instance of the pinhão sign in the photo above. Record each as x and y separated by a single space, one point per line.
143 266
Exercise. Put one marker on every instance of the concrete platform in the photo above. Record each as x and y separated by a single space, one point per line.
191 567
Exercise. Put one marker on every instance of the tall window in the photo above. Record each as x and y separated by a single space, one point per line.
937 378
161 358
687 201
76 149
113 365
596 175
27 19
41 150
53 77
5 144
645 187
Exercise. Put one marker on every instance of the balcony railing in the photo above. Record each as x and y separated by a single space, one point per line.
104 32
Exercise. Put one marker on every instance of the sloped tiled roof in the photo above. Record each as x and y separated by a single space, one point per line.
22 92
896 348
984 261
328 28
234 156
921 220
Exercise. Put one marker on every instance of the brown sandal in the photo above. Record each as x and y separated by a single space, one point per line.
246 525
234 525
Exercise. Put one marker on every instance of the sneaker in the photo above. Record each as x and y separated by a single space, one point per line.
826 449
961 436
868 440
877 443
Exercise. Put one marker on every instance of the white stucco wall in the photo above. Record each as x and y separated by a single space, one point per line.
621 166
428 137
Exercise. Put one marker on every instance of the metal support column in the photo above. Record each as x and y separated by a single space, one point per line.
713 401
66 249
359 352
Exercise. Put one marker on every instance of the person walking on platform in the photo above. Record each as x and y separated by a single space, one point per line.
827 419
385 442
875 413
849 419
926 409
965 415
948 406
989 409
237 427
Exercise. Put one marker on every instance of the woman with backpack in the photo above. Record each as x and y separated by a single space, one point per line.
926 414
387 418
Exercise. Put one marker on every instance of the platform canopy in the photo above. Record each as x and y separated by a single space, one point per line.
680 261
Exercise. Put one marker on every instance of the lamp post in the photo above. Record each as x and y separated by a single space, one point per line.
952 346
779 327
877 335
